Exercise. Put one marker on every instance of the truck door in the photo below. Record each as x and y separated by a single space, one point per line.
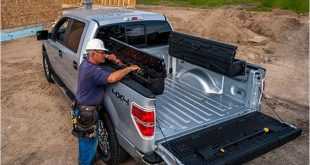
71 51
54 44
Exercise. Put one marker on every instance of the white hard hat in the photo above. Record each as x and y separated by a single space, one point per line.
95 44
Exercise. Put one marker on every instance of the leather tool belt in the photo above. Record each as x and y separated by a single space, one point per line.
84 120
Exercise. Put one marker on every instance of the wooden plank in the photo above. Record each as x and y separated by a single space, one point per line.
120 3
21 32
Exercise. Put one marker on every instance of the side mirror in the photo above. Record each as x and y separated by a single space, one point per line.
43 35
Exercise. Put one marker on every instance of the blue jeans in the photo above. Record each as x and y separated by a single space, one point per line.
87 150
87 147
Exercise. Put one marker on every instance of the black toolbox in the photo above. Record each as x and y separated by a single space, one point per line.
216 56
153 71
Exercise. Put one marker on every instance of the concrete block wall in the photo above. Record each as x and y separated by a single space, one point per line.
20 13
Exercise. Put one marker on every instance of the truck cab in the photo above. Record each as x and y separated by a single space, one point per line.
194 103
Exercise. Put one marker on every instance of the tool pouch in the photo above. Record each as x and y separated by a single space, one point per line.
84 119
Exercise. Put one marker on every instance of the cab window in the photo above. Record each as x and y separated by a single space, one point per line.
60 30
73 37
68 32
138 34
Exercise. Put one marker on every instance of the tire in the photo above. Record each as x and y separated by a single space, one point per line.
109 149
48 71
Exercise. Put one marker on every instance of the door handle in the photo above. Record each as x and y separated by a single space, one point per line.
75 65
60 53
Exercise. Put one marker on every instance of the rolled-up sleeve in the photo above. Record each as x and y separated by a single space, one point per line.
100 76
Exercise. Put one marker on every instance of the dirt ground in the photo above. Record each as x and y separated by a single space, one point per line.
35 120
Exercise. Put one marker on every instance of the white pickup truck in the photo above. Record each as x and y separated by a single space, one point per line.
193 102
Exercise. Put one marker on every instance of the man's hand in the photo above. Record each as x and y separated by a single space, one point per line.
134 68
112 57
119 74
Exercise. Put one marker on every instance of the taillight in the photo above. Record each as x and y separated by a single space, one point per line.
144 119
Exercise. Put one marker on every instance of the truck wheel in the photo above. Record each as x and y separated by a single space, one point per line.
47 68
109 149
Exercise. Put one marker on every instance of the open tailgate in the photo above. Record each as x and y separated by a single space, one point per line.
231 142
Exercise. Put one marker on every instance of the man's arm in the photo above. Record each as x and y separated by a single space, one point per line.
120 74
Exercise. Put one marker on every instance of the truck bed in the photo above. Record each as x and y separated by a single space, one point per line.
183 109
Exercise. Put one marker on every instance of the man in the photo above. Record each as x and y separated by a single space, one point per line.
91 83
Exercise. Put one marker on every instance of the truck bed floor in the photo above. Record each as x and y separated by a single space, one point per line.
182 108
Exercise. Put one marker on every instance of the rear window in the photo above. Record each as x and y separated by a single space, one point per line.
135 35
138 34
157 33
